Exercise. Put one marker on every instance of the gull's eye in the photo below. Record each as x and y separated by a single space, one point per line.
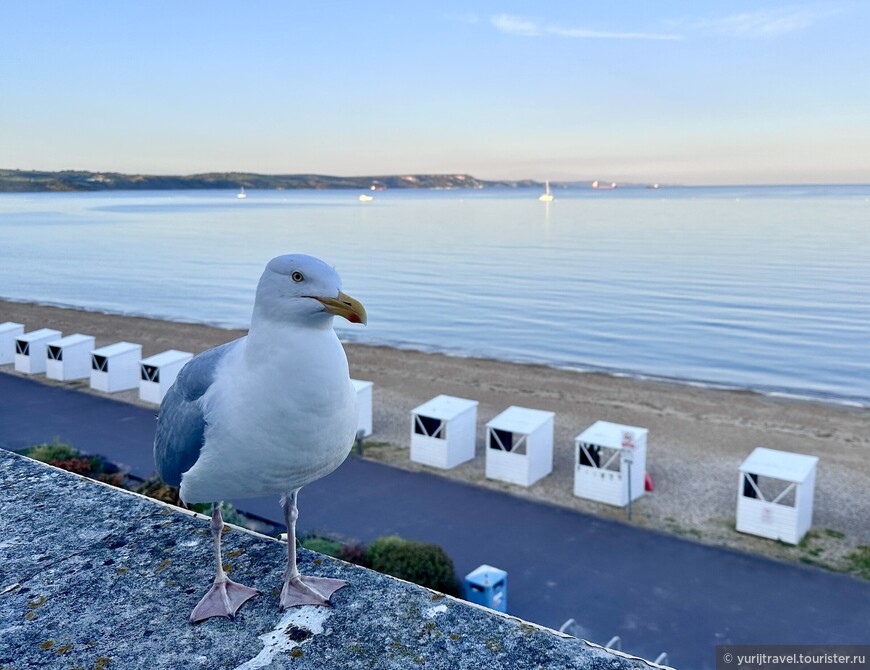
297 276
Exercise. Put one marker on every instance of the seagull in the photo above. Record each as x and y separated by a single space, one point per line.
265 415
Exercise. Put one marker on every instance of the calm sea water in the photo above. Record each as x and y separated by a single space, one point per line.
765 288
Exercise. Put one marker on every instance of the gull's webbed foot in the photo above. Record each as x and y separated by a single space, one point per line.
309 591
224 598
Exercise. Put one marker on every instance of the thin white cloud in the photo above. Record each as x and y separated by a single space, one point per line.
767 23
579 33
516 25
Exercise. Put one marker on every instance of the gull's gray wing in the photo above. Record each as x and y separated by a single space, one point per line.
180 424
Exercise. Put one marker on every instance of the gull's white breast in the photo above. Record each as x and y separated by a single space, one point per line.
276 418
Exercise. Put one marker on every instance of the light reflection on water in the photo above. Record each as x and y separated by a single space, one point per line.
762 288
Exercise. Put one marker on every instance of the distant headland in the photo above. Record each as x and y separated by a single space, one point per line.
19 181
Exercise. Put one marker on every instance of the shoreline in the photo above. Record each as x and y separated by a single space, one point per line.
784 394
698 436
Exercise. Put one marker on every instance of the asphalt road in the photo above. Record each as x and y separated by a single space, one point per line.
657 592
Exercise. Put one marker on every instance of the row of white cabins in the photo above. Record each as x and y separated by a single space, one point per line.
117 367
775 489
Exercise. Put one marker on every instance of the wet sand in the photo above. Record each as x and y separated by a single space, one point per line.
697 437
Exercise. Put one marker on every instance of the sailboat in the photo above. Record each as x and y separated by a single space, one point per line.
241 194
546 196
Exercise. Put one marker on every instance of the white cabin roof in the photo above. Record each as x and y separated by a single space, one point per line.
40 334
167 357
118 348
606 434
783 465
520 419
444 407
69 340
10 325
359 385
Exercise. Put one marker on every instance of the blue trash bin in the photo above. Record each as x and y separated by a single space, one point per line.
487 586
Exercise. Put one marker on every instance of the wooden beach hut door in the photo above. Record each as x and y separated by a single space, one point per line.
31 350
519 445
775 494
610 459
429 426
363 406
158 373
599 474
116 367
443 431
9 333
505 440
69 357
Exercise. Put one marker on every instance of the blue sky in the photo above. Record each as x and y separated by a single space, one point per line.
670 92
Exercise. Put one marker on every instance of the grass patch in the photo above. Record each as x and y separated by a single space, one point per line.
376 445
859 561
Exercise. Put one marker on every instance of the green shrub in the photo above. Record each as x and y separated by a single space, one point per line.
322 545
353 553
65 456
424 564
51 451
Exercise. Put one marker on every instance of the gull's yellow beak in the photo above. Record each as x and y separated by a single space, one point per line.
344 305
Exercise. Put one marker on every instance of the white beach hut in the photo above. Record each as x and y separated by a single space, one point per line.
116 367
443 431
519 445
30 354
363 406
158 372
775 494
69 357
9 332
606 456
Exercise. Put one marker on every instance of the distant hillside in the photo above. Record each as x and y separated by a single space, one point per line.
12 181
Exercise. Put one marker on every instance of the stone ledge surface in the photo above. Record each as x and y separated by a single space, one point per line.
93 577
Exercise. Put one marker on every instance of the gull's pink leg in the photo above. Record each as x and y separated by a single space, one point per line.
299 590
225 597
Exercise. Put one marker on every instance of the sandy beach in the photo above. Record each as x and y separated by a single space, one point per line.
697 437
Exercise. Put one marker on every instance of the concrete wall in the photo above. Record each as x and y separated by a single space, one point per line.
95 577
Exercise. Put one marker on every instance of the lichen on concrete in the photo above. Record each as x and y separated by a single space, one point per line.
95 577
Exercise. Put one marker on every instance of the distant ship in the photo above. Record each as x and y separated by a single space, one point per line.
546 196
241 194
365 198
599 185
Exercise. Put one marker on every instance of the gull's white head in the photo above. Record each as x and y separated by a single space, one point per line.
304 290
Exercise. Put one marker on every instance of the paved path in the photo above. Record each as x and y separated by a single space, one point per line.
659 593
